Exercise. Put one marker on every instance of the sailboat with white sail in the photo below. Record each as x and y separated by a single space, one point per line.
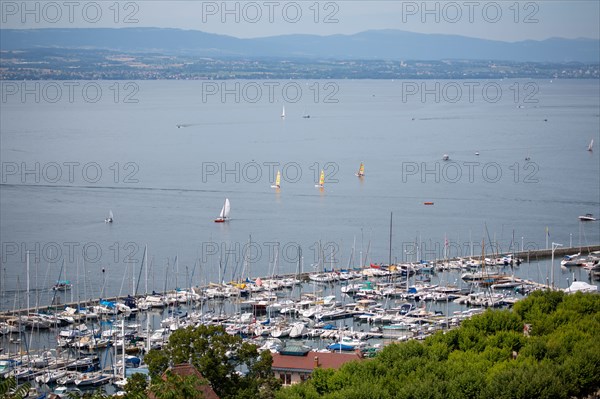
321 180
224 215
109 219
361 170
591 146
277 181
283 112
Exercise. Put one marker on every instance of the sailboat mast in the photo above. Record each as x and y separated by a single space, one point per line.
299 260
445 248
84 284
390 251
352 255
419 251
77 282
133 278
483 256
471 240
123 345
246 260
176 273
146 269
361 248
220 268
28 281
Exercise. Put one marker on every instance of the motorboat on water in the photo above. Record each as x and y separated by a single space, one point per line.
588 217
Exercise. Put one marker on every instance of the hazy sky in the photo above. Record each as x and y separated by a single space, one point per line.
499 20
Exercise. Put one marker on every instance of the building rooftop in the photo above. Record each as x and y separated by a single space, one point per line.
312 360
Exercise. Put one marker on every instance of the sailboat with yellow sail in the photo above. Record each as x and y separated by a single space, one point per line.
361 170
321 180
277 181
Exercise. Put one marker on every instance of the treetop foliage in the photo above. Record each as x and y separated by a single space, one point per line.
488 356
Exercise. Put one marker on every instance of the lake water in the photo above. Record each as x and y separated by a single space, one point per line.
165 165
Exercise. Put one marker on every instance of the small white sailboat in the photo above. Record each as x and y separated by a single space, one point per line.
283 112
277 181
224 215
109 219
361 170
590 147
321 180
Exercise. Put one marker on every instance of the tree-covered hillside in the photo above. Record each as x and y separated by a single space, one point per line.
489 356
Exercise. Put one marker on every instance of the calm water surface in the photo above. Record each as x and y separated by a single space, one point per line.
158 180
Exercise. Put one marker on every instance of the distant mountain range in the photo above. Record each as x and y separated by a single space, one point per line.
375 44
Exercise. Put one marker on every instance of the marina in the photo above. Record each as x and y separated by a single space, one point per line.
84 345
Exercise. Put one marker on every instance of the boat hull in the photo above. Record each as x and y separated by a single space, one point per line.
340 347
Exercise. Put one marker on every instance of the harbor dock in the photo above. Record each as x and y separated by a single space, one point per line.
527 257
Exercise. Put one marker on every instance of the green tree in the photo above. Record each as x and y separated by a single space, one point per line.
487 357
136 386
175 386
218 356
97 394
10 390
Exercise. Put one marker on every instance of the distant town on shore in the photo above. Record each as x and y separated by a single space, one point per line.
153 53
81 64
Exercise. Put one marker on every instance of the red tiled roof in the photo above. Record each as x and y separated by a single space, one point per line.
326 360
